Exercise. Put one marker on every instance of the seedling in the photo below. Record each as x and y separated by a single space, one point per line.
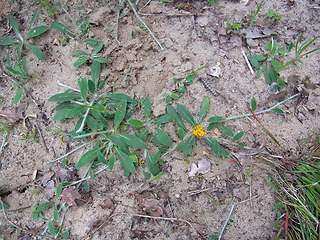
23 41
39 209
274 60
255 14
272 16
50 7
233 28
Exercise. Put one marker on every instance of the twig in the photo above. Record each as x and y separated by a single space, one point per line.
145 25
249 199
66 86
198 191
117 23
166 219
40 133
247 61
225 224
171 14
263 111
67 154
144 6
4 143
5 215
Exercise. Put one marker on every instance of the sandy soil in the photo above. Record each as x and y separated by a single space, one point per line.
139 68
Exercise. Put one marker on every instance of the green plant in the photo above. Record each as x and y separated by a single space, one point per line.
275 60
298 209
50 7
212 2
20 72
30 136
39 209
233 28
82 25
272 16
23 41
253 18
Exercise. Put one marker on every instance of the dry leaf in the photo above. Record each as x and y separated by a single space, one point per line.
49 190
14 114
203 167
151 204
214 70
69 195
66 175
108 203
202 20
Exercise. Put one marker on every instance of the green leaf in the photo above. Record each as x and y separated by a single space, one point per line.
253 104
95 71
227 131
51 230
93 123
216 147
125 161
76 111
175 117
98 47
62 28
83 84
255 59
188 145
55 213
163 119
65 235
120 96
35 16
180 133
18 95
78 53
61 97
116 140
132 141
185 114
36 51
189 79
14 25
59 190
135 123
163 139
111 161
4 41
120 114
36 31
42 207
80 61
91 86
216 119
204 108
278 110
5 206
101 60
87 158
19 49
238 136
146 107
152 162
101 158
270 75
92 42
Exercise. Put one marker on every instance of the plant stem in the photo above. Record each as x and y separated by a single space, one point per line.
117 23
225 224
263 111
4 143
93 133
67 154
86 114
66 86
84 179
145 25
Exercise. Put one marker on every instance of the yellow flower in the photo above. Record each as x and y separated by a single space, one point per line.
199 132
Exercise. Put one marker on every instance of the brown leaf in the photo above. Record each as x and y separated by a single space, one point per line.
69 195
108 203
49 190
151 204
14 114
66 175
